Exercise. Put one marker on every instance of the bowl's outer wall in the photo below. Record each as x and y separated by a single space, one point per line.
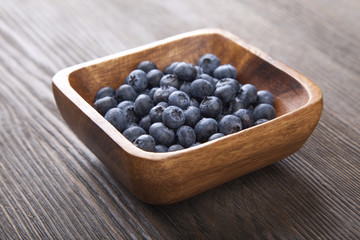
171 177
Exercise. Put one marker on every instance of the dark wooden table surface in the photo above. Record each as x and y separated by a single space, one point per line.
53 187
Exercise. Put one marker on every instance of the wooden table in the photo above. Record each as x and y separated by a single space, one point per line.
53 187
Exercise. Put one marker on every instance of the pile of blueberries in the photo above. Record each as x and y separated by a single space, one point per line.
184 105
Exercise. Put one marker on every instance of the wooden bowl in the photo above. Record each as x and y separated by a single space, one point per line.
163 178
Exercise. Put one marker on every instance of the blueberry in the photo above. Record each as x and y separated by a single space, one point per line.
145 91
125 92
226 93
260 121
186 136
162 134
175 147
211 107
215 136
145 142
154 77
124 104
185 72
143 104
209 62
164 104
246 116
146 66
264 96
104 92
194 102
170 68
225 71
192 116
185 87
104 104
137 79
170 80
131 116
236 104
195 144
208 78
201 88
133 132
180 99
156 112
132 124
205 128
199 71
229 81
230 124
240 86
173 117
264 110
145 123
152 92
162 94
161 148
226 109
218 119
117 118
248 94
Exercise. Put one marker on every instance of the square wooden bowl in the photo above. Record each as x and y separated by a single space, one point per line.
163 178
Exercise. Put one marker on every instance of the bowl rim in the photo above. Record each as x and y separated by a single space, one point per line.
62 82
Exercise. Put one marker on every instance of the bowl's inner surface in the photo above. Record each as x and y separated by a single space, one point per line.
288 93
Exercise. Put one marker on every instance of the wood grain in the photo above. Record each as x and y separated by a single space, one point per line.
53 187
